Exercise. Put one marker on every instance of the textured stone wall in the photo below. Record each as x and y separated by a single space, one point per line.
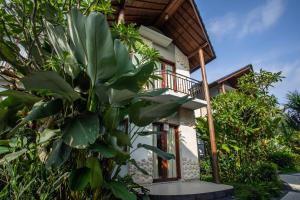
138 176
190 169
181 60
188 145
182 63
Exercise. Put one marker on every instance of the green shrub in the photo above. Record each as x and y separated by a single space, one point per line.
297 160
205 170
257 191
282 159
286 161
266 172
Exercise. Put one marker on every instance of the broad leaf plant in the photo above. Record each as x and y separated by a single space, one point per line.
64 102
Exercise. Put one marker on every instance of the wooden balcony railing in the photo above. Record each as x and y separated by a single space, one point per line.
178 83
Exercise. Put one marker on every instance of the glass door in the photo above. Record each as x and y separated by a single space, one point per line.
167 141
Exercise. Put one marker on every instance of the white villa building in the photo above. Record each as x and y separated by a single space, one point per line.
176 30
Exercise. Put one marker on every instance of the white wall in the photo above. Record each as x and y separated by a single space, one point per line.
188 145
143 157
173 54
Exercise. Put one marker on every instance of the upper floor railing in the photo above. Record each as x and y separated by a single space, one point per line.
178 83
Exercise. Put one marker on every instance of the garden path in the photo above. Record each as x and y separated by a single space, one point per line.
293 181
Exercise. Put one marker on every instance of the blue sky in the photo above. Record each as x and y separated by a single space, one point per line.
265 33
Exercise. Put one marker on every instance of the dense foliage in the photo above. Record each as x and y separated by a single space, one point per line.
70 85
247 122
292 135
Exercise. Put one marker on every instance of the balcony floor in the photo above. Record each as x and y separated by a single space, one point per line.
189 190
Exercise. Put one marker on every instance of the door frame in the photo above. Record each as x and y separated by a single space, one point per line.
177 156
163 63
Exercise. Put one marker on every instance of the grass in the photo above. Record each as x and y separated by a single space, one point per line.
257 191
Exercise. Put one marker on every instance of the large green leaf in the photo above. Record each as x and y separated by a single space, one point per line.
112 117
96 178
134 80
225 148
9 52
15 101
44 109
50 81
105 150
121 156
59 41
125 96
20 97
12 156
3 150
59 155
90 174
123 139
81 131
99 45
76 27
46 135
160 153
124 63
120 191
153 93
79 178
142 114
120 96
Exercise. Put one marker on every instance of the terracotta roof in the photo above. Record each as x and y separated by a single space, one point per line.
233 77
177 19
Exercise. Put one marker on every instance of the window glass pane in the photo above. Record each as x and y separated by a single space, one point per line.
172 172
169 68
155 127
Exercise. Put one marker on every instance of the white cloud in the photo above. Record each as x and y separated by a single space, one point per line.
223 26
262 17
258 19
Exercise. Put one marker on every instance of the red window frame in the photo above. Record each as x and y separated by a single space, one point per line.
164 73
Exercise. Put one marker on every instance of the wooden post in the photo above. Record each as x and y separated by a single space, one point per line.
223 88
211 127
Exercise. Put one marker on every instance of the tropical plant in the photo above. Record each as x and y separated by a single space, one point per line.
245 120
67 101
293 109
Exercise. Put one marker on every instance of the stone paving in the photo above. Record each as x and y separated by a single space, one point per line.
293 182
189 190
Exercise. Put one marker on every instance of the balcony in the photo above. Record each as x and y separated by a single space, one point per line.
179 85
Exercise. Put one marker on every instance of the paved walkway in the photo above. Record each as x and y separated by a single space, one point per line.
187 190
293 181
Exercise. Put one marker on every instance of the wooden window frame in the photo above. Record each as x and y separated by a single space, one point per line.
177 149
163 63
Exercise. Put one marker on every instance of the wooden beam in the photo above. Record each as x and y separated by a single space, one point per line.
192 2
197 51
168 12
211 127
